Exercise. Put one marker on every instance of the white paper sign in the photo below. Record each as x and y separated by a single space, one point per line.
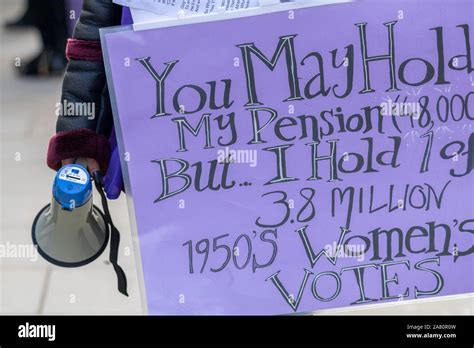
173 7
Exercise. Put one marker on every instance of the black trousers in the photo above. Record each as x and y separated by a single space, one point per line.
50 17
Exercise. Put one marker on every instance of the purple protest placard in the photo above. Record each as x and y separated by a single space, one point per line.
302 159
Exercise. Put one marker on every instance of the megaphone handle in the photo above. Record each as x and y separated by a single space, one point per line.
114 236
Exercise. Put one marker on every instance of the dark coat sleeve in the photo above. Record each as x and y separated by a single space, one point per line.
85 133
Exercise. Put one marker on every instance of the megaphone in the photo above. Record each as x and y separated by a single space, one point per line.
71 231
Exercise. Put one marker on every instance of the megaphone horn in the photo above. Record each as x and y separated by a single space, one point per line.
71 231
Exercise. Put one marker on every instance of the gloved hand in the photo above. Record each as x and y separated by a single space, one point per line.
92 164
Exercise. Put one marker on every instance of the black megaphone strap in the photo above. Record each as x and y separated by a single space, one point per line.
114 237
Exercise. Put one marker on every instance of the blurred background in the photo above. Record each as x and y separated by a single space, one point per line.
32 62
33 35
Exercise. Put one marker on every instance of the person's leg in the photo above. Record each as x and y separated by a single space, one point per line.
60 30
53 30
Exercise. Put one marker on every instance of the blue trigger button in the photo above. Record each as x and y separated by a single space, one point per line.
72 186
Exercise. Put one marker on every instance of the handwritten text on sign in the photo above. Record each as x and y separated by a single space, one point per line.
289 162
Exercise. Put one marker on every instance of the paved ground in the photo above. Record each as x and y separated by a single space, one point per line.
26 286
